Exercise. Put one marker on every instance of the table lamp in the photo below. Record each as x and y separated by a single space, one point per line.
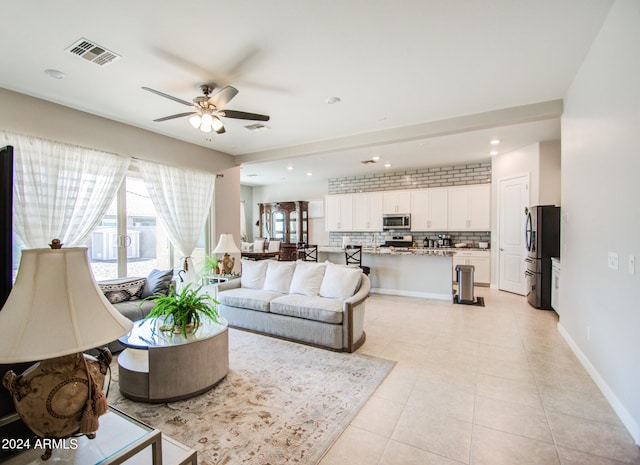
227 245
55 312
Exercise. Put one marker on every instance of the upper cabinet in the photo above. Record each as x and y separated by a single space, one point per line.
339 212
458 208
470 208
367 211
429 210
396 202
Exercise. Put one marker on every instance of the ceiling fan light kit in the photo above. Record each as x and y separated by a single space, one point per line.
208 108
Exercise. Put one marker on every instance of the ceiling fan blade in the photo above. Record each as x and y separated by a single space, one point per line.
243 115
170 97
223 96
179 115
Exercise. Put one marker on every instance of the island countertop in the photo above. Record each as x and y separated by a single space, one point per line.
435 251
411 272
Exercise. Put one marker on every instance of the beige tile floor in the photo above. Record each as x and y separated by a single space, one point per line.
486 385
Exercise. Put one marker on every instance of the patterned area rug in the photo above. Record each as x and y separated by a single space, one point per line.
281 403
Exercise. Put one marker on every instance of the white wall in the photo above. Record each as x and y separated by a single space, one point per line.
601 212
315 190
549 188
542 162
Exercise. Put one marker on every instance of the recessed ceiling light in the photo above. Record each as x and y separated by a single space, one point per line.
375 158
309 173
290 168
55 74
493 153
387 165
333 100
494 141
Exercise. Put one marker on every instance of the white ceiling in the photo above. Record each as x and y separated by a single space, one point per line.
404 70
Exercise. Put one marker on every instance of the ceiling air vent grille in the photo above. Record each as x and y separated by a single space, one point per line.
92 52
257 127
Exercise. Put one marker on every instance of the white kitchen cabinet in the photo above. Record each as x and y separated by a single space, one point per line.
481 261
429 209
396 202
555 284
339 212
367 211
469 208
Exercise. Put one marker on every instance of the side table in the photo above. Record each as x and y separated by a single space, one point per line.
120 438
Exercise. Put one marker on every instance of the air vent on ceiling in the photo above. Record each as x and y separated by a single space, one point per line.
257 127
92 52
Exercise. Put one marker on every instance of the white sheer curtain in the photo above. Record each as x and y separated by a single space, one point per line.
61 191
182 199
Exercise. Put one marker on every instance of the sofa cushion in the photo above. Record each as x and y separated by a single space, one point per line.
122 289
310 308
253 299
158 281
307 278
135 310
340 281
278 278
253 274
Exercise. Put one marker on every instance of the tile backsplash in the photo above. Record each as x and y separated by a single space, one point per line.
367 239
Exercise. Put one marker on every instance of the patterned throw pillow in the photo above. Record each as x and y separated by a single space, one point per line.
122 290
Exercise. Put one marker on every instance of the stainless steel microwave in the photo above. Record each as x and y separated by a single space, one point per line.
396 221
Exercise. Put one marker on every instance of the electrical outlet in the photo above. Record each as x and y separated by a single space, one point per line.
632 264
613 261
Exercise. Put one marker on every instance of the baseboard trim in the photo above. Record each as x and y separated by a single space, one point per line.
627 420
420 295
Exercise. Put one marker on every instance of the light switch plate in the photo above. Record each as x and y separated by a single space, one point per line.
613 261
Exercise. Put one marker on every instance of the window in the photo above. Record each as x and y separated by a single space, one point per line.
129 241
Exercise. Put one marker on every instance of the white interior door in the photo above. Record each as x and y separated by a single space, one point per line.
513 199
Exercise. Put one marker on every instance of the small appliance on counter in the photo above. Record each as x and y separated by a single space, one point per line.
444 240
398 241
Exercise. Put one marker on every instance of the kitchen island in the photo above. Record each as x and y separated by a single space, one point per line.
410 272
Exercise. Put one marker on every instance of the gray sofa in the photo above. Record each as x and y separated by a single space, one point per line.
126 295
320 304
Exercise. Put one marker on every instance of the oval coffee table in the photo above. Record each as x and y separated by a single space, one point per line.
160 366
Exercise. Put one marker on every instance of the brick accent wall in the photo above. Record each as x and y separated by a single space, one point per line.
453 175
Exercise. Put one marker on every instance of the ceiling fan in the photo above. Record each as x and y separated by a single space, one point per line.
208 108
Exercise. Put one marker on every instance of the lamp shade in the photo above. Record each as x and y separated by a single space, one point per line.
56 308
226 244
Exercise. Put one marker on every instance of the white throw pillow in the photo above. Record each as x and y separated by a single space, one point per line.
307 278
339 281
253 274
279 276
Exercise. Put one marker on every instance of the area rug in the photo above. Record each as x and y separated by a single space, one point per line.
281 403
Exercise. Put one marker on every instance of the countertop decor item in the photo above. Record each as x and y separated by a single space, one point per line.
55 312
182 311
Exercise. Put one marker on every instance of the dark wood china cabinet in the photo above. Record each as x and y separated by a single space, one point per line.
287 222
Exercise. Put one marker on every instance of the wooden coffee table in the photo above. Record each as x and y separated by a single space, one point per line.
160 366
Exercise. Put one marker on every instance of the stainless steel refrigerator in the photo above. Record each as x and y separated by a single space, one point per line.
542 242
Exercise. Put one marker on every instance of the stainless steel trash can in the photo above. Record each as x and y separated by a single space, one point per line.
465 284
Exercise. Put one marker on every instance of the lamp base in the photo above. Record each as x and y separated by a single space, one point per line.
51 395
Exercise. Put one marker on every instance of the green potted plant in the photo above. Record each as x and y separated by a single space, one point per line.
183 310
209 267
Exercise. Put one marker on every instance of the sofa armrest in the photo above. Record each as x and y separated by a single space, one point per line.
353 318
231 284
